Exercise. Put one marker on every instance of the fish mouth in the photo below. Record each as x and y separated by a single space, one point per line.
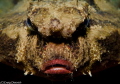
57 66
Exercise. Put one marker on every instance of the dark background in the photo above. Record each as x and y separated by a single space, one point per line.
8 73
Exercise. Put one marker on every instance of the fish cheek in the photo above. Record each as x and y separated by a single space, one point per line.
7 48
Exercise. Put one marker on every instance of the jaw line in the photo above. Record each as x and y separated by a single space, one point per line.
57 66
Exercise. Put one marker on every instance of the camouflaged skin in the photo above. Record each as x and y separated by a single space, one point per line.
86 35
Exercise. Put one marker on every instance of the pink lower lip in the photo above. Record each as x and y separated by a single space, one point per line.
57 69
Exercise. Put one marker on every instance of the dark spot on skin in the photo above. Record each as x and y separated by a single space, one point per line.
7 47
71 10
111 44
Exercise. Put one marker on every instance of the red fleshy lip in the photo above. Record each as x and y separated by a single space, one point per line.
57 66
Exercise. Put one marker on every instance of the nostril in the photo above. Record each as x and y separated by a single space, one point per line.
55 22
55 25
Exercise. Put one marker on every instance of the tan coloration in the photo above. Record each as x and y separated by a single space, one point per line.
29 51
62 51
67 30
61 17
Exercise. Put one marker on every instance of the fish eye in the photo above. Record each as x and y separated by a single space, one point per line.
30 26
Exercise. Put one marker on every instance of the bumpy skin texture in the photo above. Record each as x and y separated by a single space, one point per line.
74 31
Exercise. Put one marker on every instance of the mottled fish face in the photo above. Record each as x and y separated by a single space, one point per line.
60 17
56 44
60 39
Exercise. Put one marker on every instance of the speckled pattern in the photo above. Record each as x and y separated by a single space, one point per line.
80 32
